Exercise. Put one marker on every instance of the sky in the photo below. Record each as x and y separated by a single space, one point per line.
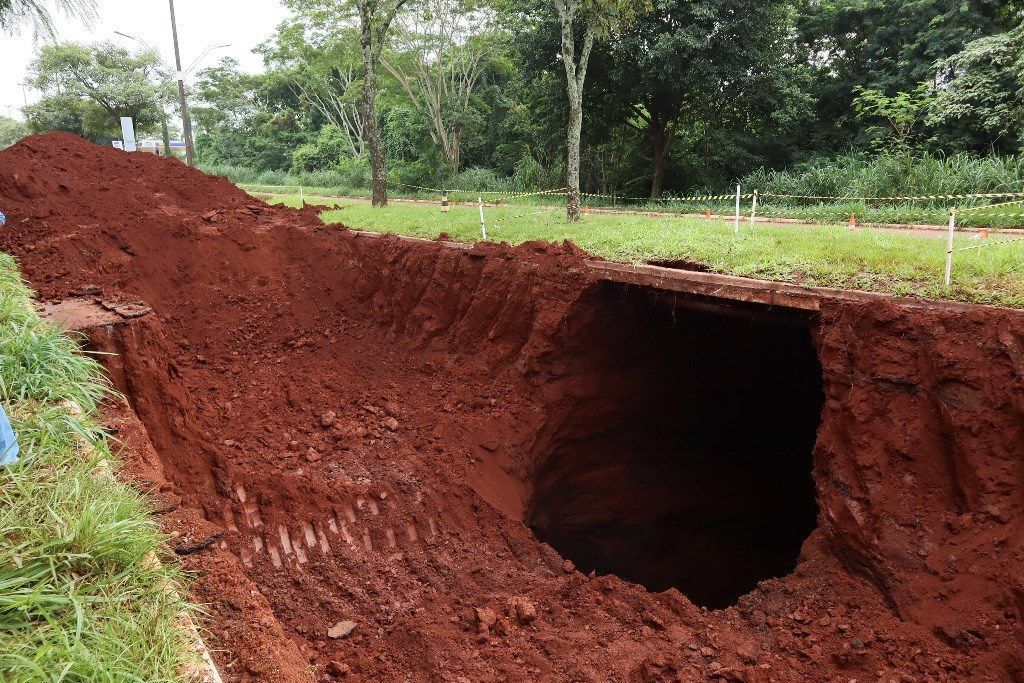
201 23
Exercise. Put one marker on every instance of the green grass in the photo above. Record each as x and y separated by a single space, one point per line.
828 255
973 212
76 601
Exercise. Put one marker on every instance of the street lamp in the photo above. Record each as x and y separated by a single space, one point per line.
179 75
186 120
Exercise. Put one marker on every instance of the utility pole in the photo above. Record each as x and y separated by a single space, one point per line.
186 120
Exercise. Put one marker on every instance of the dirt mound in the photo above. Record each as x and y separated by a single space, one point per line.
421 462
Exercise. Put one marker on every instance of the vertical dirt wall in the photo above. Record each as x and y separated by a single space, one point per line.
919 462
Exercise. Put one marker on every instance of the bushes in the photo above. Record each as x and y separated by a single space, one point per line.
848 176
892 175
350 174
330 149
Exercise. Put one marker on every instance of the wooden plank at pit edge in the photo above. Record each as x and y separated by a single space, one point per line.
764 292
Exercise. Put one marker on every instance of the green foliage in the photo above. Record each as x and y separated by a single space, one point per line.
685 96
76 596
88 88
11 131
687 77
881 45
34 13
985 98
894 175
902 112
324 153
247 120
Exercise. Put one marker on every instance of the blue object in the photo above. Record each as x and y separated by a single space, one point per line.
9 448
3 219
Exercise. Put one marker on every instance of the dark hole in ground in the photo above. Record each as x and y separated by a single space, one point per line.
680 264
691 468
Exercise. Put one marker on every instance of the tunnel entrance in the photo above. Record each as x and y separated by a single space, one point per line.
691 468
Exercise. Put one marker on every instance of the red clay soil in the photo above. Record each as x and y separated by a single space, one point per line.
375 432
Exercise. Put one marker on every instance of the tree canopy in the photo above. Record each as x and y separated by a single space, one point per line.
38 15
88 88
632 98
11 131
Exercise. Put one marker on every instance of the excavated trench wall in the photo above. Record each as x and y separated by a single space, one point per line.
676 448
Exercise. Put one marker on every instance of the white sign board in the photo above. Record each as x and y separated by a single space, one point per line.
128 133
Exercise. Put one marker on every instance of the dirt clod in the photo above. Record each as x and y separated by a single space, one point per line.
524 611
342 629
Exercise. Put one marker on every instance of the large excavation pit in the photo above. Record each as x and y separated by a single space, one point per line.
387 459
692 469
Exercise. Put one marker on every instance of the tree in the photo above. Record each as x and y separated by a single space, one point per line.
15 13
107 82
438 60
902 112
985 97
11 131
250 120
590 19
882 45
694 68
375 18
325 72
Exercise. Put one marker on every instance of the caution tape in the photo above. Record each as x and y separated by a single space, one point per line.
438 190
987 207
990 244
907 198
691 198
560 190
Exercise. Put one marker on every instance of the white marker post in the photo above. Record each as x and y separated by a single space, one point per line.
736 229
128 133
949 246
302 198
483 227
753 210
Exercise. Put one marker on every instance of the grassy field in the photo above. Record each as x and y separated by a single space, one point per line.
972 213
825 256
76 601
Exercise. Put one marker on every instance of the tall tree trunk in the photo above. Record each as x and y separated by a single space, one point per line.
378 164
661 141
572 162
575 76
166 135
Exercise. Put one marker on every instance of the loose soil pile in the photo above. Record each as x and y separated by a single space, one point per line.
420 462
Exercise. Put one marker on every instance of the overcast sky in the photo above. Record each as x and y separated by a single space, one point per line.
242 23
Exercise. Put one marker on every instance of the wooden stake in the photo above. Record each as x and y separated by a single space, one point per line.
736 229
949 247
483 226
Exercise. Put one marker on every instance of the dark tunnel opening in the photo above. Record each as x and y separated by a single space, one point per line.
692 467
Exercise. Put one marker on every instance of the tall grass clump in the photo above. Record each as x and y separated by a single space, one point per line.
890 175
77 600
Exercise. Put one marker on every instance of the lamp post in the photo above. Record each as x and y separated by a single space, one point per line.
179 75
186 120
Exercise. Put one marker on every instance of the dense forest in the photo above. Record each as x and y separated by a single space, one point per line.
670 96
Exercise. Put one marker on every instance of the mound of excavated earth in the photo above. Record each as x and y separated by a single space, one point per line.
386 459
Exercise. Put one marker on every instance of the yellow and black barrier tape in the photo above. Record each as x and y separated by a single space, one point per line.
905 198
